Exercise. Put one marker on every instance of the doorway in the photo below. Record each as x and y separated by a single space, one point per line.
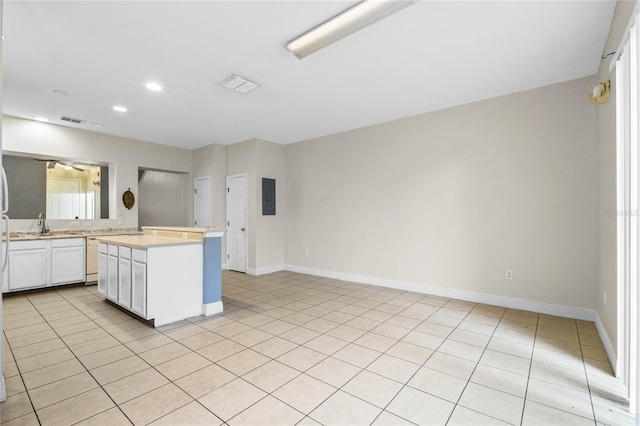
162 198
237 223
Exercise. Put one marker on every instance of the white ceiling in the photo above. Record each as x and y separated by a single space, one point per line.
429 56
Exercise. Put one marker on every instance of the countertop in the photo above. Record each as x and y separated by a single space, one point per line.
146 241
70 233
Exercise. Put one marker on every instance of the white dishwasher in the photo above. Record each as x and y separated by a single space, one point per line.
92 260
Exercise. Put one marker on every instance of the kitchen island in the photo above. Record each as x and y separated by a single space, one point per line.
163 275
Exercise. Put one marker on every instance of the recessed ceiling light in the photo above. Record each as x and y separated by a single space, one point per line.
97 124
61 92
120 108
154 86
42 119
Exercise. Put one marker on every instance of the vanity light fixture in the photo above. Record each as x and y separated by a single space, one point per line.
153 86
120 108
348 22
41 119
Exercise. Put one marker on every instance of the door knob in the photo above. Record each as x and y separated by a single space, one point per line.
242 229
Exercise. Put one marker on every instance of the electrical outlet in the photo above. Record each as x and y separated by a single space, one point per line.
104 223
75 224
306 252
86 223
509 274
604 298
185 235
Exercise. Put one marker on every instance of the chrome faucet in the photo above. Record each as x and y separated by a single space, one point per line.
41 223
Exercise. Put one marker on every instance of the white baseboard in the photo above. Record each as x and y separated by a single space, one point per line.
265 270
489 299
3 388
212 308
608 347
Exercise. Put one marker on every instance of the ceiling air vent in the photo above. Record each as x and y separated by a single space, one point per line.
71 120
239 84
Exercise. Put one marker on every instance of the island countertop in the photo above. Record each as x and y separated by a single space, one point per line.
146 241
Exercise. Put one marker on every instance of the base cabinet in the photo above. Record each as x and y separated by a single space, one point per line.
41 263
28 265
139 288
122 277
102 272
124 282
67 261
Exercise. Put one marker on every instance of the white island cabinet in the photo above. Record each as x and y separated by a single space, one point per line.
157 278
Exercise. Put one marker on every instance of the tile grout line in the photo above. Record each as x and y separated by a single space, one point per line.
586 374
526 389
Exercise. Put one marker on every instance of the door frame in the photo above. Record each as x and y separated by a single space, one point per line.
628 201
195 199
246 217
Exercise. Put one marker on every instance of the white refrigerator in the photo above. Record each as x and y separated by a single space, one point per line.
3 250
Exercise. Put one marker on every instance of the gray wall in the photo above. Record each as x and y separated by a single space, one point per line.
27 187
163 198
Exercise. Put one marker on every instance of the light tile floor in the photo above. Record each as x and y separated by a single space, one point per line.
298 349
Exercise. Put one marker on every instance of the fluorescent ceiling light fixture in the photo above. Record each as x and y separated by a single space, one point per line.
348 22
154 86
239 84
42 119
120 108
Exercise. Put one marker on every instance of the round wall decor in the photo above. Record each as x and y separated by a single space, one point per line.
128 199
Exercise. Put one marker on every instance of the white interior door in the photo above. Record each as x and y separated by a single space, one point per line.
237 223
202 202
65 199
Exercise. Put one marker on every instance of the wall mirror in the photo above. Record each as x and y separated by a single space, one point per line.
59 188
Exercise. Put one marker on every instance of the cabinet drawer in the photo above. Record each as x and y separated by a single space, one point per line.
102 248
113 250
68 242
124 252
140 255
28 245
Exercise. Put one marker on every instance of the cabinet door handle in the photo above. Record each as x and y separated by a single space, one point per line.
242 229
